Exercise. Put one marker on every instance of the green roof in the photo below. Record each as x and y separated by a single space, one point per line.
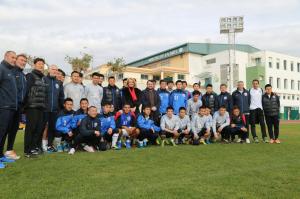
197 48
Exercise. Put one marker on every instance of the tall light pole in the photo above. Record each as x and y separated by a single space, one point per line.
231 26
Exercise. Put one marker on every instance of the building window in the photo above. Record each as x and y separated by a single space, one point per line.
292 66
120 76
277 63
211 61
207 81
258 61
284 64
288 97
179 76
293 97
284 97
156 77
278 83
285 84
144 77
292 84
271 80
270 62
298 67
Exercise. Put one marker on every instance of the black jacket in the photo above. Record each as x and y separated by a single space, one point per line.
21 85
112 94
242 100
36 93
8 87
271 105
225 99
210 100
126 98
89 125
145 98
55 94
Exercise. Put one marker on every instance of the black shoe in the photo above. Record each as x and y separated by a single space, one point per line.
34 152
29 155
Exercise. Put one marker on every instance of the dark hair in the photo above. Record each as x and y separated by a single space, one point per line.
62 72
111 77
36 60
75 72
196 84
202 107
106 104
92 107
196 93
182 108
268 85
126 104
170 82
96 74
161 81
170 108
150 80
255 80
235 107
125 79
81 75
101 75
84 99
209 85
223 85
184 82
224 107
178 81
68 100
146 106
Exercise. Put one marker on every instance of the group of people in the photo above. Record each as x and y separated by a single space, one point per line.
73 116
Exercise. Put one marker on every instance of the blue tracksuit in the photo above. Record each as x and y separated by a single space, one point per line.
225 99
164 100
178 99
78 116
242 100
63 122
144 123
106 121
124 119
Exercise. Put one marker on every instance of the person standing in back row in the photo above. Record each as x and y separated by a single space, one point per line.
256 111
94 92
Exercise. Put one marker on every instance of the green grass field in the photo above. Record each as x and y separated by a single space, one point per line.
214 171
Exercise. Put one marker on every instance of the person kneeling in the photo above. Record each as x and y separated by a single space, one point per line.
221 122
148 130
89 133
184 126
201 127
63 127
169 125
238 124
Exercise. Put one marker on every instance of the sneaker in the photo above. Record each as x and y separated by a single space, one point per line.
72 151
51 149
256 140
127 144
140 144
145 141
238 140
202 141
34 152
88 149
248 141
158 141
11 155
6 160
172 142
272 141
265 140
29 155
60 149
277 141
2 166
163 142
66 147
226 141
207 141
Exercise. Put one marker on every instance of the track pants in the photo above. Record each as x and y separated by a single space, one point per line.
257 115
273 121
147 134
237 131
13 129
6 120
51 118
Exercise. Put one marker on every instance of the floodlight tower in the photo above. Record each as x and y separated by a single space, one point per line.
231 26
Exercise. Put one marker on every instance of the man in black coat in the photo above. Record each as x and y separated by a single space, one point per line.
35 105
112 95
8 100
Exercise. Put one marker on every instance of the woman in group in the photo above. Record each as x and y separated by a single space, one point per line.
132 96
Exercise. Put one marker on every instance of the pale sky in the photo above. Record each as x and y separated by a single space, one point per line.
134 29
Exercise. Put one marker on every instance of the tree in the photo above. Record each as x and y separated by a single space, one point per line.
116 66
80 64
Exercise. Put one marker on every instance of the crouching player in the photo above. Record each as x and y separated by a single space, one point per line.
79 115
201 127
238 124
89 133
148 130
126 125
221 124
184 126
109 133
169 125
63 127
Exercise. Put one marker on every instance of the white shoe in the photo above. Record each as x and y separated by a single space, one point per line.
88 149
72 151
238 140
247 140
12 155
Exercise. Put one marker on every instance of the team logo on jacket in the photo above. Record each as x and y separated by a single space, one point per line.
273 96
245 94
211 96
128 118
56 86
95 124
225 98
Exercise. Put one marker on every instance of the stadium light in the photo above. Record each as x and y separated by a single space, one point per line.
231 26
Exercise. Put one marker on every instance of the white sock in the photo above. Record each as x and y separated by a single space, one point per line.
114 139
57 141
44 143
